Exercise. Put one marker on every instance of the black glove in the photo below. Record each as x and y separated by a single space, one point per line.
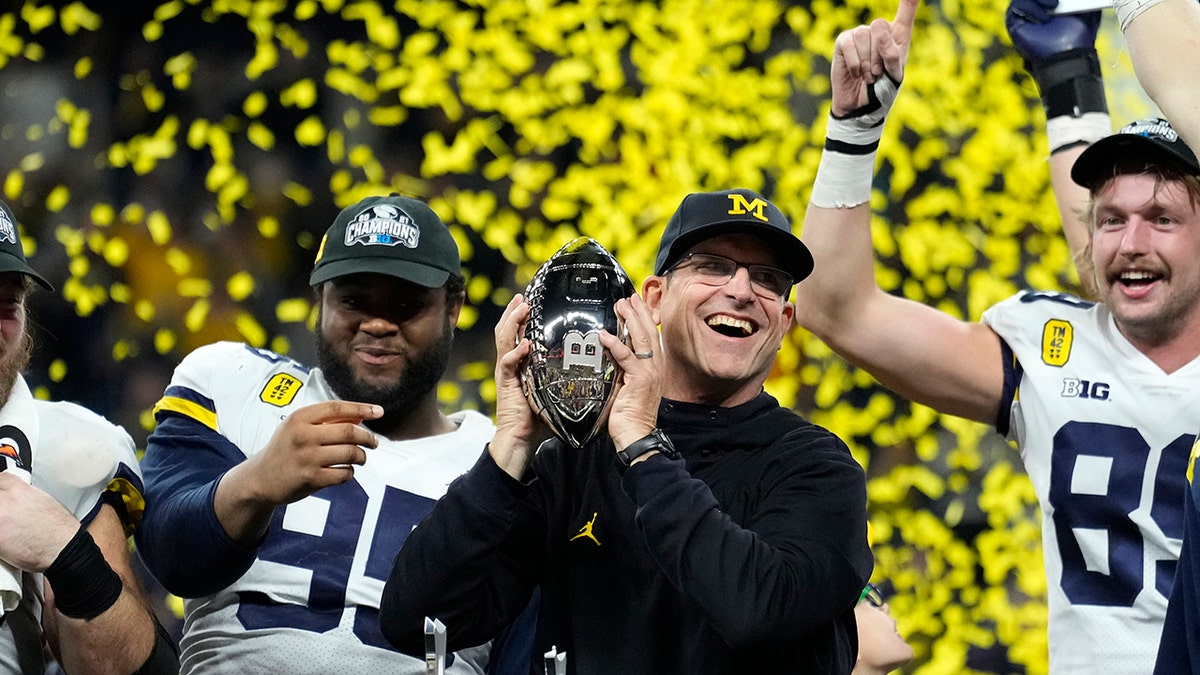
1060 53
1038 35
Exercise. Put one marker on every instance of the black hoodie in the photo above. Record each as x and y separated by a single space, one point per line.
745 555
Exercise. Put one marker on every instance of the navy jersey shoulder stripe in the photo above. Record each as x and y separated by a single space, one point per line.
189 403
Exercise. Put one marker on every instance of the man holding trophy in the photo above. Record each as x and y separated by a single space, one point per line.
709 530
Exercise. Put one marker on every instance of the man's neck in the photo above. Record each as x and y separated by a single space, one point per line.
721 394
407 425
1170 356
1169 352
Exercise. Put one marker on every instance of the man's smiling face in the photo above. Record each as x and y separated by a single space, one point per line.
1143 247
720 338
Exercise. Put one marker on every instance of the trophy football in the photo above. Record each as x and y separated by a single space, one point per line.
568 378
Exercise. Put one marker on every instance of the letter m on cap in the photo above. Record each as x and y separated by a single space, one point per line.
741 207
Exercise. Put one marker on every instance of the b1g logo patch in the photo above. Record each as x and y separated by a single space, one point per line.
281 389
1076 388
1057 336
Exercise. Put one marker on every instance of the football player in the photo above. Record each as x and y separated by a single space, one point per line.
280 493
1164 43
1101 398
69 490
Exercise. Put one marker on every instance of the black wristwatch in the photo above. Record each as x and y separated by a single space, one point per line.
657 440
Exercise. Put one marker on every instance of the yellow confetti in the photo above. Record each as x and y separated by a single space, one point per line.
526 123
159 227
310 132
144 310
240 286
251 330
164 340
58 370
293 310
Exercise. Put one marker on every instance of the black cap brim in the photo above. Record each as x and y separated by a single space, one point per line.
795 258
10 264
421 275
1094 165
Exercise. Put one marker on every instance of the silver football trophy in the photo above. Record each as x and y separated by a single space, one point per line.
568 378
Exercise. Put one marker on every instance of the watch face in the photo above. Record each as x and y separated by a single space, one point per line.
568 378
665 446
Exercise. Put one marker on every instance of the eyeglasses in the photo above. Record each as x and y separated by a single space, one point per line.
717 270
872 595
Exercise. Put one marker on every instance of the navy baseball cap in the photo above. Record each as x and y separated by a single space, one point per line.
12 253
703 215
393 235
1151 139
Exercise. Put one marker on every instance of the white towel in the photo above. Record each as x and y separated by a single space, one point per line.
18 437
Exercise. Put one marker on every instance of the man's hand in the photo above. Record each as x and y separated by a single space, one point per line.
519 432
315 447
862 55
34 527
868 66
634 410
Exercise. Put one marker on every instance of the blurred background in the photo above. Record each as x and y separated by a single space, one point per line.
174 164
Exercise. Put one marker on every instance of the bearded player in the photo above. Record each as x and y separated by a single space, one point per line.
69 489
281 493
1101 398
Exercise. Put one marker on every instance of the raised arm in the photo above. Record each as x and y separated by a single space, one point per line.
1060 53
916 350
95 616
123 638
1164 44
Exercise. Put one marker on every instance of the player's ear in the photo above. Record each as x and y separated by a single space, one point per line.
653 289
789 315
453 311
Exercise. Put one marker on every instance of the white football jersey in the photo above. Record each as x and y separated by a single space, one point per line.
78 457
310 601
1105 437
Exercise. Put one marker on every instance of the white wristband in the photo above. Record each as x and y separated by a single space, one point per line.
1128 10
1065 131
843 181
848 163
854 131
